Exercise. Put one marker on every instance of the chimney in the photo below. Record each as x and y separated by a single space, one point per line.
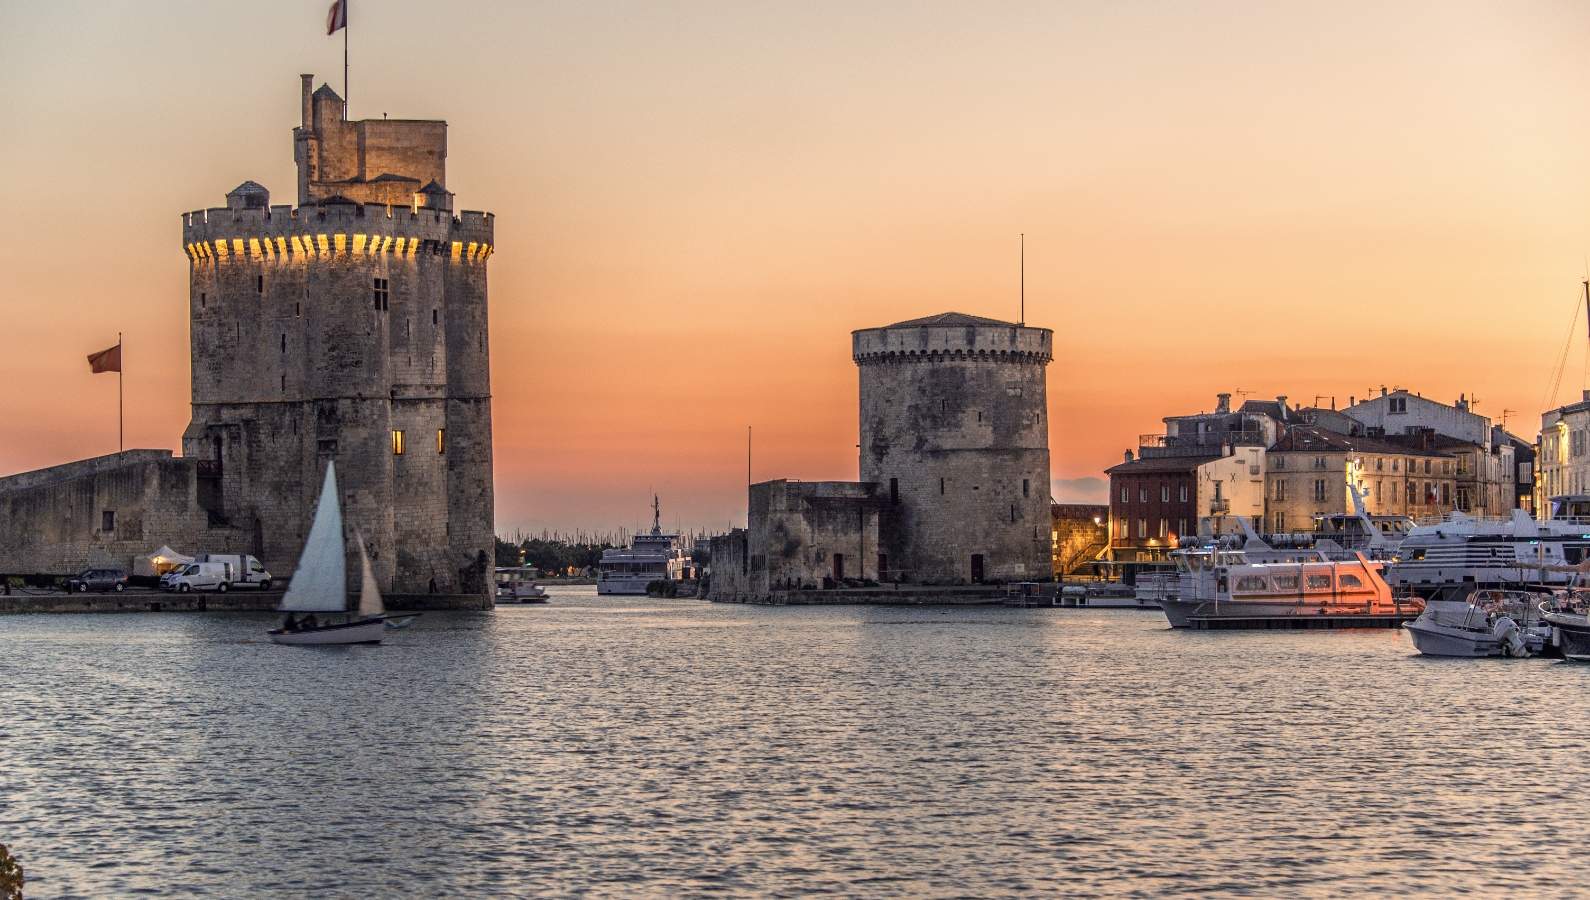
1128 456
1382 390
1281 401
1462 403
1351 401
1222 403
308 90
1587 396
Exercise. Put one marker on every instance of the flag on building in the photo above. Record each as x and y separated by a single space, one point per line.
106 360
338 17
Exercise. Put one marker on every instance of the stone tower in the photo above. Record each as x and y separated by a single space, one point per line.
954 432
351 328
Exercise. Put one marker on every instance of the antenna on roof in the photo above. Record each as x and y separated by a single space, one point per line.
1023 319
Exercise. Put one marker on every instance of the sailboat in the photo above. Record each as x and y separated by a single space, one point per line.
319 585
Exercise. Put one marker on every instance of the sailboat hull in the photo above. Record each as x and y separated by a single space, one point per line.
364 631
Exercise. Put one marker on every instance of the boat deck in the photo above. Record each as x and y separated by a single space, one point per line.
1288 623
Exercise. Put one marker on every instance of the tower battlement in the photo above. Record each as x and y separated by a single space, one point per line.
284 232
952 336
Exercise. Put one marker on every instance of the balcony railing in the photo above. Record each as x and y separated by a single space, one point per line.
1202 444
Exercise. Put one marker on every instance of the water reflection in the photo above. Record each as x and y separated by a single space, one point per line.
678 747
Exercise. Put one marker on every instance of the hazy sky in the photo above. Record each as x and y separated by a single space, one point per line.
697 202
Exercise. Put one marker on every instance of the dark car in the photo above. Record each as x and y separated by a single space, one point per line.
98 580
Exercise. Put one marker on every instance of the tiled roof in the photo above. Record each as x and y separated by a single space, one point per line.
1313 438
1159 464
951 318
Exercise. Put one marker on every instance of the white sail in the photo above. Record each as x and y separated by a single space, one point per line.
369 594
319 584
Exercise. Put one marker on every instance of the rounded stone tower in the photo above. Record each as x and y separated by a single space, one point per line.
354 329
955 434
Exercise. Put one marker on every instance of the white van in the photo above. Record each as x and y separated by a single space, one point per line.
200 576
246 570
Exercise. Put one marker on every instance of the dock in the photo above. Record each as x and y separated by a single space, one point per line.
1293 623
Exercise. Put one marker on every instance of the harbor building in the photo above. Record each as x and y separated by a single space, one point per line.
1564 453
1310 468
1487 458
954 463
353 328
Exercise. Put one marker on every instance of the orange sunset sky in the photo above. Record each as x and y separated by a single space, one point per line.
697 202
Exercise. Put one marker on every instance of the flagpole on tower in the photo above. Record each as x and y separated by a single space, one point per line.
120 419
345 60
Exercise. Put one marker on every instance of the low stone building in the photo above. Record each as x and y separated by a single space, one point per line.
814 534
106 511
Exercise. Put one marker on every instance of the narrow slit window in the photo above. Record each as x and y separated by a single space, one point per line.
284 342
1026 487
433 316
941 485
441 440
397 443
259 285
298 310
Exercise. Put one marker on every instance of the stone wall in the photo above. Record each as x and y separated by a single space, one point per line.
55 518
812 534
1080 532
730 568
954 432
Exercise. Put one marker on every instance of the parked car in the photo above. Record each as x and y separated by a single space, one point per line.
246 570
98 580
200 576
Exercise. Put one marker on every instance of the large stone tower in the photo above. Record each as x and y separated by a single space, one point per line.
954 432
351 328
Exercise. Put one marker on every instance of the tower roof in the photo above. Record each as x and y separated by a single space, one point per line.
433 188
325 91
951 319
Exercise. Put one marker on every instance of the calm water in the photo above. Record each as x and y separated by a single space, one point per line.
675 747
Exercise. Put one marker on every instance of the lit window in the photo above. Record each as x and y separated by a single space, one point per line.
441 440
397 443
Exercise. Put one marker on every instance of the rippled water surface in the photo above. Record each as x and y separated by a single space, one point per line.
675 747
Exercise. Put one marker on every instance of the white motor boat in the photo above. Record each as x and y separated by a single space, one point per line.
516 584
319 585
1466 629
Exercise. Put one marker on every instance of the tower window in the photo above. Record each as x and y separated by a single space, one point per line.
382 294
107 520
397 443
441 440
433 317
941 486
284 384
1013 512
284 342
298 310
1026 487
202 296
894 490
259 284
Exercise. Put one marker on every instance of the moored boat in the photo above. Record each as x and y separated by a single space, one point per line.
1479 627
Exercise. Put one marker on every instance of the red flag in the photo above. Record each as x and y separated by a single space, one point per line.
106 360
338 17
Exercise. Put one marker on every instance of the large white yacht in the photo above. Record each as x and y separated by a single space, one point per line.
1460 554
650 557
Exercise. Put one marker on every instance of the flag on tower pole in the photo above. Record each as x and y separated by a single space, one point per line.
337 19
109 360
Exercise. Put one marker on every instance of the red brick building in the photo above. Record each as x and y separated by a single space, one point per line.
1153 502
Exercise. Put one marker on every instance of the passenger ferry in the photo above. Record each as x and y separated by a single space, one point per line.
1461 554
650 557
1261 582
